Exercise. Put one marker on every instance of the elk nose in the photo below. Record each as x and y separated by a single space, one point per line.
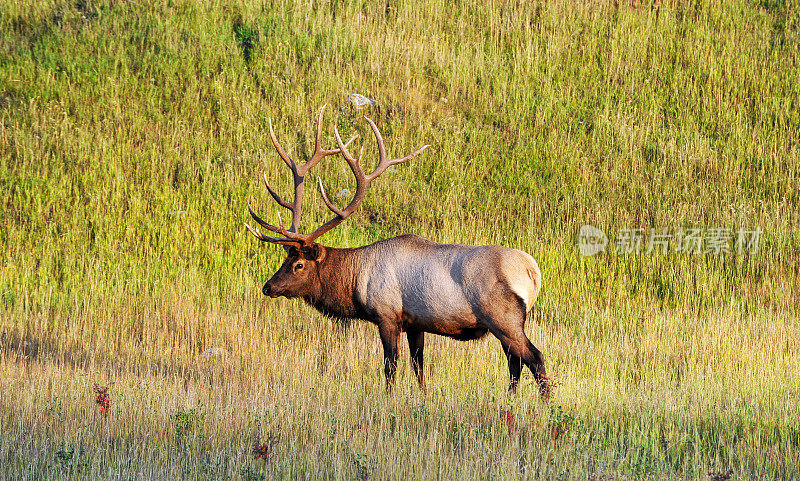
267 290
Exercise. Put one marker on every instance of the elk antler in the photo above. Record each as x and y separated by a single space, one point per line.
298 172
291 236
362 180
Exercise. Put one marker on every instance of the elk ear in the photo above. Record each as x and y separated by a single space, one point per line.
314 252
291 250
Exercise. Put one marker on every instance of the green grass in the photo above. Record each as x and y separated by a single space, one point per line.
132 134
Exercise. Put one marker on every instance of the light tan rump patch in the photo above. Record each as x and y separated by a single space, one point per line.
524 278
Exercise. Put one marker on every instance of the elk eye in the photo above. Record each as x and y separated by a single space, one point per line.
298 266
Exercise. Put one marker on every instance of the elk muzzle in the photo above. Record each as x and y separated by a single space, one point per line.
269 291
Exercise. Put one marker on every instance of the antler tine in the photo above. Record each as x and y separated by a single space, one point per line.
355 164
383 162
362 181
278 230
327 201
275 195
274 240
319 152
280 150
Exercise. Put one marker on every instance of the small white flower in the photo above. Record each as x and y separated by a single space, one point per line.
360 101
215 352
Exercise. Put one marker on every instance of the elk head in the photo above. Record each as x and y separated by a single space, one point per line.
298 276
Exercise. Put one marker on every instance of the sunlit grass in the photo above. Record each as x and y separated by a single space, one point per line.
131 135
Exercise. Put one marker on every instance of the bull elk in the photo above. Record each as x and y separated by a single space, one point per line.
407 283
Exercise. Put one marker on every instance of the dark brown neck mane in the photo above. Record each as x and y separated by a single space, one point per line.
335 295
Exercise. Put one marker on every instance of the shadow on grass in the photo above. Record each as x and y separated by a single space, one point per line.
42 350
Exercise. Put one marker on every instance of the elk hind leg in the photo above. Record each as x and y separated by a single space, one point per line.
532 358
514 371
519 349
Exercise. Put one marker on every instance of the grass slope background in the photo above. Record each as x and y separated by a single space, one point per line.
132 134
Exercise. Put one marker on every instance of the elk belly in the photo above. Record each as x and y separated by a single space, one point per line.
443 311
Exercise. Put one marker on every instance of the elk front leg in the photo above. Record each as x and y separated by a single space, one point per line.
390 334
416 344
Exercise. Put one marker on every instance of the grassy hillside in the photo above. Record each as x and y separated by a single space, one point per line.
132 134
